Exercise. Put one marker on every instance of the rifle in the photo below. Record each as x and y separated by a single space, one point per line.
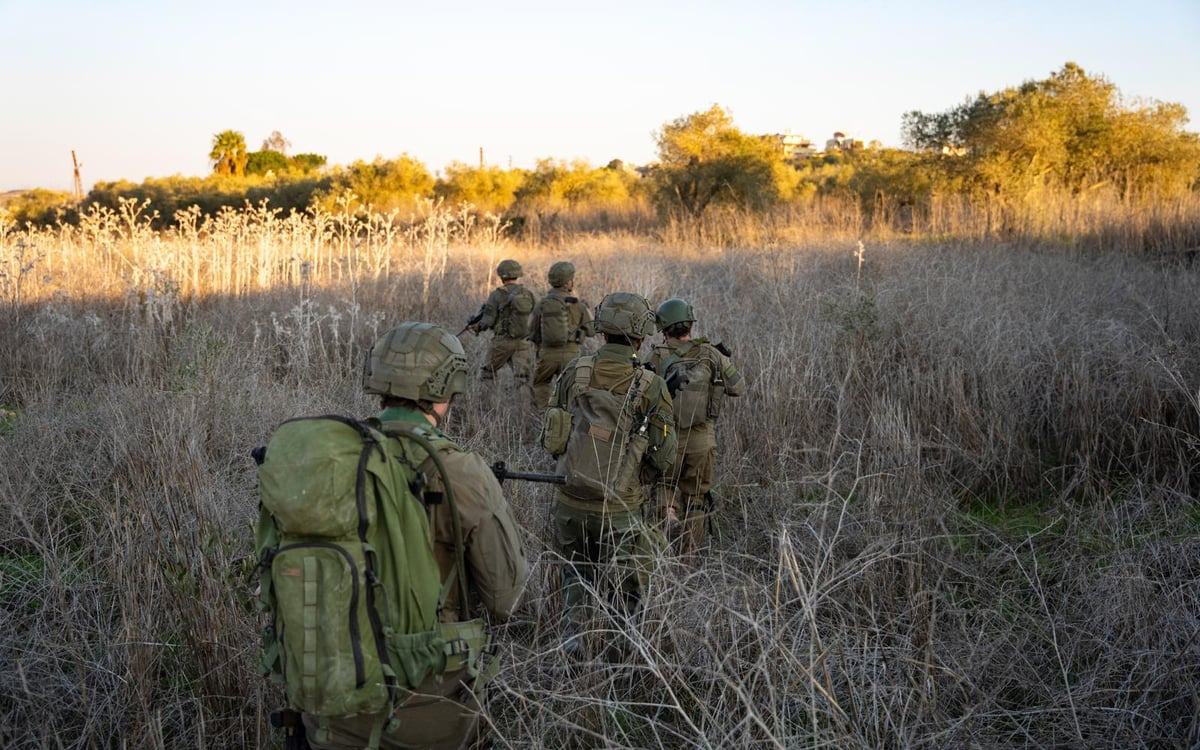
293 729
502 473
472 320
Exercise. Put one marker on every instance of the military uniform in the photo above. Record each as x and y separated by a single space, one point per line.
506 313
555 348
443 712
592 533
685 486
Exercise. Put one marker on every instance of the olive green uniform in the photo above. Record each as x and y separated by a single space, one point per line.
687 483
506 313
443 712
552 355
592 534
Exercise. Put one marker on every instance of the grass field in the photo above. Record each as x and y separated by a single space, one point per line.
959 497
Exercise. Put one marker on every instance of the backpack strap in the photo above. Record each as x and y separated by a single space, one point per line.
458 575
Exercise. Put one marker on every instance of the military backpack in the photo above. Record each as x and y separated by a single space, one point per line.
606 435
556 328
347 574
695 381
513 316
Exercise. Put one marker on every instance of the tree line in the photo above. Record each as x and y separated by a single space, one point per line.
1071 133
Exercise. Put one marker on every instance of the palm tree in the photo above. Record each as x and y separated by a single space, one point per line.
229 153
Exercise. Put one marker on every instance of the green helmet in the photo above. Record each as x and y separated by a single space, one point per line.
674 310
625 313
560 273
418 362
509 269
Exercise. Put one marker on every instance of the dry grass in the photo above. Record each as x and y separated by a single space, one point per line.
959 497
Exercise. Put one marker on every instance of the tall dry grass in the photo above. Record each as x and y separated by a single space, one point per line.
959 497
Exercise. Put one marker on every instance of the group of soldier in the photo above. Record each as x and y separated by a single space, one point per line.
662 415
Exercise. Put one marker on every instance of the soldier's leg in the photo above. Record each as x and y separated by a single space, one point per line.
497 355
577 570
695 481
548 365
627 549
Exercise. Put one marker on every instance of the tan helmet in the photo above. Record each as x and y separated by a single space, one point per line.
625 313
560 273
418 362
509 269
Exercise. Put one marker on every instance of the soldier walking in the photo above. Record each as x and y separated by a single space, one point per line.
560 321
699 376
506 313
610 423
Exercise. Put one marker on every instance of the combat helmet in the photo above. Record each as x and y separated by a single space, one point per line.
509 269
625 313
560 273
420 362
674 310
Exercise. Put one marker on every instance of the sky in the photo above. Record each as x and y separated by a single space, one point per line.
138 89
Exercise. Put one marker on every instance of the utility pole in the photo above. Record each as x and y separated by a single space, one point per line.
481 157
78 182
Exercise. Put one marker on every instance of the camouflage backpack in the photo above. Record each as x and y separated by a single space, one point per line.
347 570
607 439
694 379
514 313
556 329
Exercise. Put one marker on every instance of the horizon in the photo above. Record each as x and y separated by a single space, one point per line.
138 91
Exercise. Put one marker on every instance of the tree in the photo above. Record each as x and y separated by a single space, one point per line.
385 183
486 188
1071 131
705 160
276 142
229 153
267 160
308 163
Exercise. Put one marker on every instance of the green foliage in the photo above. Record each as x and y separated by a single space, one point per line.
308 163
228 153
556 185
705 160
210 194
261 162
487 188
8 421
1070 131
383 184
41 207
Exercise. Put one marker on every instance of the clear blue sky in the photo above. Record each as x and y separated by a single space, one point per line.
139 88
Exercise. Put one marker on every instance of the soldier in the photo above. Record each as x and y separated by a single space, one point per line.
559 323
416 369
699 376
609 422
506 312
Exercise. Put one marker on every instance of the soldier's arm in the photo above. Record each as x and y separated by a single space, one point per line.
586 325
734 383
562 386
535 324
495 553
491 309
662 448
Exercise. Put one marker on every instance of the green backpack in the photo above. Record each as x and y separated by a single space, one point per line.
608 437
697 386
347 571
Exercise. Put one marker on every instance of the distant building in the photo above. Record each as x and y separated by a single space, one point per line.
794 146
842 142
